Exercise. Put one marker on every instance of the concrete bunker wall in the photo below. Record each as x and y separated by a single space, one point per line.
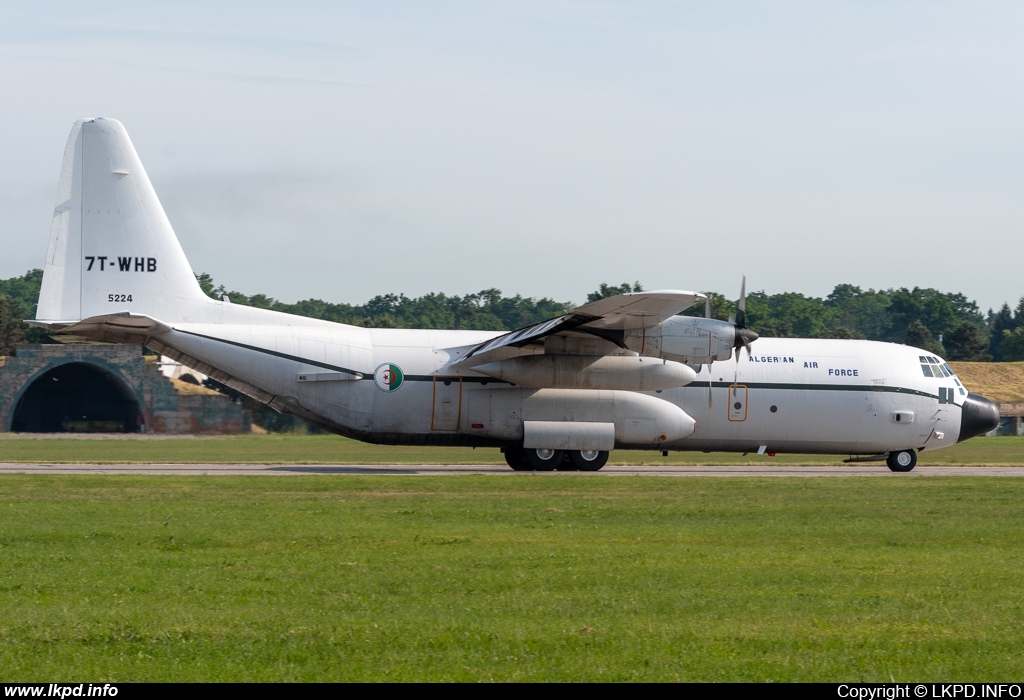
133 382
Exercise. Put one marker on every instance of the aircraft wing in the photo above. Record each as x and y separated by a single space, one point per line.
605 318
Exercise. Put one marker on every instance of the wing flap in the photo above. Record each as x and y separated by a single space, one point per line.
637 309
605 318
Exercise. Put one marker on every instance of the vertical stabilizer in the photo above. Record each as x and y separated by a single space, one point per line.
111 246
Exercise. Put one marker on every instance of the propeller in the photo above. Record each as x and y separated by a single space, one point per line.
707 314
744 336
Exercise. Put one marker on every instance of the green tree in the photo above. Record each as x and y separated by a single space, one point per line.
11 327
608 290
997 323
918 336
929 307
721 308
866 313
1012 345
19 296
966 344
842 333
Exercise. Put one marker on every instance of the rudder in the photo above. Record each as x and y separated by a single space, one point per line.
112 247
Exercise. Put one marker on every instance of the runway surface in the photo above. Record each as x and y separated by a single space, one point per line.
450 469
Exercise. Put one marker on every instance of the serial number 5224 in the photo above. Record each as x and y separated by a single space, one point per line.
119 297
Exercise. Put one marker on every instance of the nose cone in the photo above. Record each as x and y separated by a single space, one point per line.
979 416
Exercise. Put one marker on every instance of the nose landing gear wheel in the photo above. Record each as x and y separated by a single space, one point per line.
544 460
588 460
902 461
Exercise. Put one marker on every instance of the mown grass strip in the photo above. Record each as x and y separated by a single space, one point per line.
331 449
474 578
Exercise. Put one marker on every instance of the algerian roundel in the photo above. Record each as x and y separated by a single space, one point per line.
388 377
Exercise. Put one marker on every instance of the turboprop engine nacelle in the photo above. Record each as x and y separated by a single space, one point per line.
620 372
685 339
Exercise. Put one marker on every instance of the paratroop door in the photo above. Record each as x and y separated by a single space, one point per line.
737 403
447 403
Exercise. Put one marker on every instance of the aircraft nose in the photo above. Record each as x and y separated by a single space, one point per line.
979 416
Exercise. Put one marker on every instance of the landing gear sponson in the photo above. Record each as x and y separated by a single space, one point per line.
546 460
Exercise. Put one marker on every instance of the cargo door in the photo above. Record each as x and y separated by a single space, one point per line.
447 404
737 403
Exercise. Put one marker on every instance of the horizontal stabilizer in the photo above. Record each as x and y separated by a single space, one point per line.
119 327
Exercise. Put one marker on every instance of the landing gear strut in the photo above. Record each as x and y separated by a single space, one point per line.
902 461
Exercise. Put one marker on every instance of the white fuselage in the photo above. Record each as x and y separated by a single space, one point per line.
791 395
116 272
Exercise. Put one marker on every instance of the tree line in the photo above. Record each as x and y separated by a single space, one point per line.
947 324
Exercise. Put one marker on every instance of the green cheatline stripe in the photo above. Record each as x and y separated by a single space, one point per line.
696 383
819 387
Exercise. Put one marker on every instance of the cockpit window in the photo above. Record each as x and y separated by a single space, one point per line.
934 367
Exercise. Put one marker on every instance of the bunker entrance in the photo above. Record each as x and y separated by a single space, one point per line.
77 398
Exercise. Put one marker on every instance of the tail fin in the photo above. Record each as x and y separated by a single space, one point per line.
112 248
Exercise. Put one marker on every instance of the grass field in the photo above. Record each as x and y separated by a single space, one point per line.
123 578
997 381
330 449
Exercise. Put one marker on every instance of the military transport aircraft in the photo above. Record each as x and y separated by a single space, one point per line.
621 372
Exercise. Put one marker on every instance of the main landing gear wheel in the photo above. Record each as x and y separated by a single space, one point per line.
514 458
544 460
902 461
588 460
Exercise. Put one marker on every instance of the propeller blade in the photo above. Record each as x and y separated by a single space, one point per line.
744 336
710 400
741 307
707 306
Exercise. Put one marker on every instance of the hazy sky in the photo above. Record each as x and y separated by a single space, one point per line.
342 150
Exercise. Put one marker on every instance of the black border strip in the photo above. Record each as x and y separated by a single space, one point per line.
362 376
817 387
